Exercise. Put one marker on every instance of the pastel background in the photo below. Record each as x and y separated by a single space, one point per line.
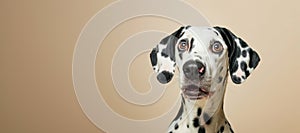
37 39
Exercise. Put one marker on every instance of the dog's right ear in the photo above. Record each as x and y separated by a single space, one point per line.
163 57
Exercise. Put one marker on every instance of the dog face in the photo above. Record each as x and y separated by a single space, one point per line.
203 55
200 57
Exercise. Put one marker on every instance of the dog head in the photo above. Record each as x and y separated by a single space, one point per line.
203 56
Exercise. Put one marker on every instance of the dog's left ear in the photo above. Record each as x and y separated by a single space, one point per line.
163 57
242 59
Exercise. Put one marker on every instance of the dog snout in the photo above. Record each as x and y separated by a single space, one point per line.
193 69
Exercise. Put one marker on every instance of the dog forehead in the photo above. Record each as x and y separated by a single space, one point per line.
203 34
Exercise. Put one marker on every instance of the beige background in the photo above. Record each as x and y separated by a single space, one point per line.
37 40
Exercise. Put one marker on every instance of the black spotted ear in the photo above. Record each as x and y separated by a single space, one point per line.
242 59
163 57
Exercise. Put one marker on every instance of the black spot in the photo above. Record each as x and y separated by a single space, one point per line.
207 118
168 52
247 73
243 77
254 58
164 53
196 122
221 129
199 111
176 126
234 67
187 27
170 132
153 56
237 52
221 69
201 129
243 65
188 126
244 53
164 77
243 43
236 79
244 68
220 79
226 122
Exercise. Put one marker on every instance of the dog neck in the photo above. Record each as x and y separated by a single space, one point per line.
193 109
193 115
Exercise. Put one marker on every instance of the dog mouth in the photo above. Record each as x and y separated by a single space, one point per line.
194 92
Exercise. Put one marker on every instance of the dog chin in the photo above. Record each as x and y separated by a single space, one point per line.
195 92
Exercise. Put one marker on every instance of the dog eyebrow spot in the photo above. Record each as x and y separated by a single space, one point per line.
192 45
181 34
216 33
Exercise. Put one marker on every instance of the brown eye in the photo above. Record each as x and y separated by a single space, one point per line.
217 47
183 45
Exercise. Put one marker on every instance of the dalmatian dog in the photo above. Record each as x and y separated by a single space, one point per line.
204 57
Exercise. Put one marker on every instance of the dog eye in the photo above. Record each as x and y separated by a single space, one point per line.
217 47
183 45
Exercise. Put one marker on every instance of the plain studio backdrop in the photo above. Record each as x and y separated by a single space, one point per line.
37 39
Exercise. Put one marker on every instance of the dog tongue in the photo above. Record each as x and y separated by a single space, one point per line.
205 91
201 70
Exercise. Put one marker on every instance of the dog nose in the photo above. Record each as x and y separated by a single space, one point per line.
193 69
